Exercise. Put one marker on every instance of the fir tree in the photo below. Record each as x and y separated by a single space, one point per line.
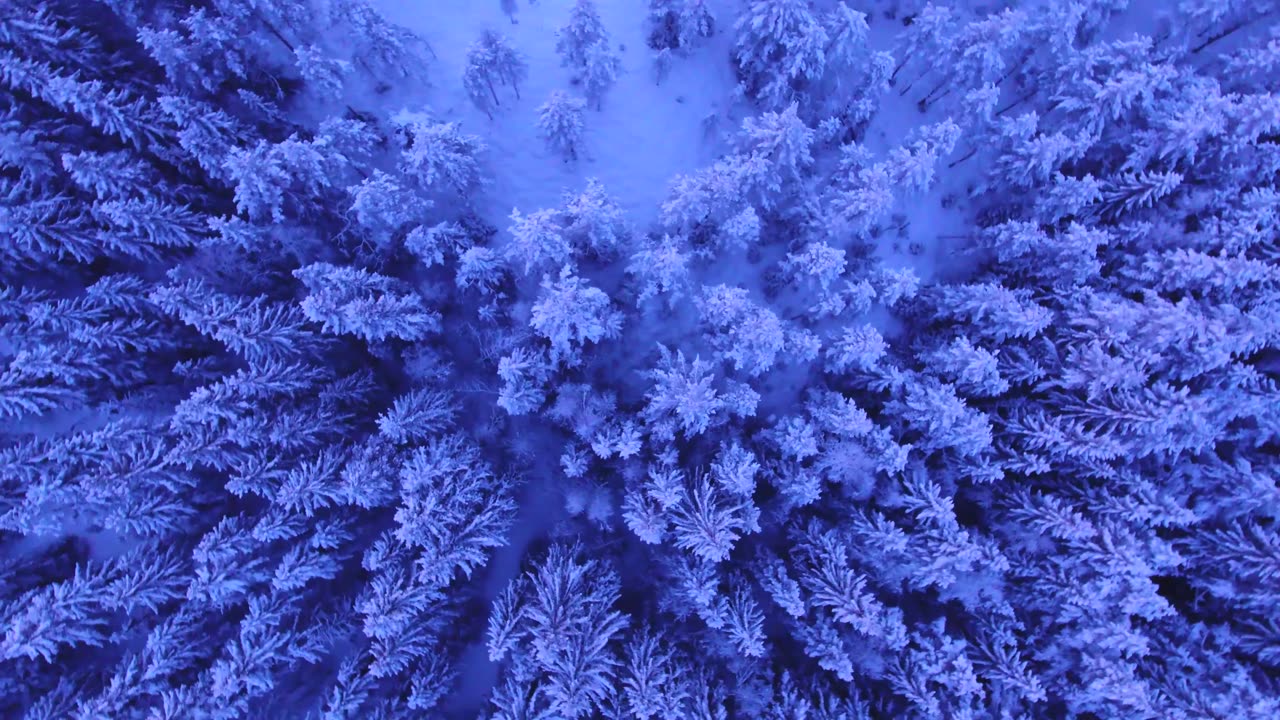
684 396
570 314
453 509
538 240
575 40
779 50
351 301
679 24
563 635
438 155
662 268
600 69
383 206
776 152
743 332
560 121
490 60
326 75
708 523
593 220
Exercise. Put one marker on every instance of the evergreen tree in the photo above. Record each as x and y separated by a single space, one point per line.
1036 482
600 69
438 155
417 416
683 397
570 314
382 206
433 244
352 301
538 240
996 311
742 230
775 150
563 656
779 50
679 24
524 375
708 523
381 46
452 509
490 60
943 419
743 332
593 220
324 74
975 370
847 47
584 31
711 195
560 122
662 268
864 201
481 268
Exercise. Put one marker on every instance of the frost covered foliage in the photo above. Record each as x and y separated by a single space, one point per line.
949 390
679 24
561 124
220 496
492 63
559 625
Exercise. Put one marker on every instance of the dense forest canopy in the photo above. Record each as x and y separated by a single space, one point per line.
945 389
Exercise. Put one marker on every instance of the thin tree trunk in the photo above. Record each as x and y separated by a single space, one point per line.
929 98
1012 69
492 92
1015 103
972 151
1215 38
924 104
272 29
922 75
898 69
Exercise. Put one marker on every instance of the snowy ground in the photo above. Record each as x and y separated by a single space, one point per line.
922 244
645 134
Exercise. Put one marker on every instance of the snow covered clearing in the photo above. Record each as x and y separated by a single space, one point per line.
645 133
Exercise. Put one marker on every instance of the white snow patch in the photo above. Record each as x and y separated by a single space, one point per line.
927 242
645 134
